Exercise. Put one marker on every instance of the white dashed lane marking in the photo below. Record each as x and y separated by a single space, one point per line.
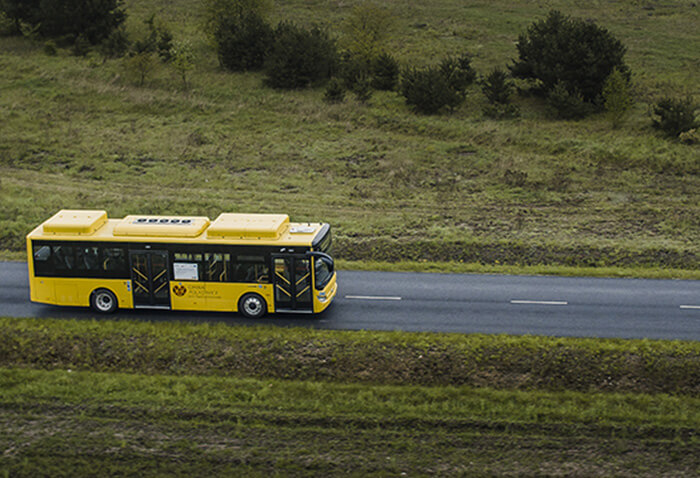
372 297
540 302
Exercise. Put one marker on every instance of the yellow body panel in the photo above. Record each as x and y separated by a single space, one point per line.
76 292
330 291
215 296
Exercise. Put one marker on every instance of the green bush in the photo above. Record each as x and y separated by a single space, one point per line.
352 70
50 48
385 72
674 116
428 91
116 45
577 53
81 46
159 40
300 57
617 97
497 87
243 42
335 92
458 72
94 20
564 104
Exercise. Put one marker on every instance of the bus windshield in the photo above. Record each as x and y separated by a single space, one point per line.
324 271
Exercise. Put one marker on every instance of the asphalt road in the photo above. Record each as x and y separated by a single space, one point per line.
463 303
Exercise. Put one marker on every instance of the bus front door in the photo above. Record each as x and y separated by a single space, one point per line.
149 279
292 280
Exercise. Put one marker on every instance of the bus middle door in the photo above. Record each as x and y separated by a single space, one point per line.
292 282
149 279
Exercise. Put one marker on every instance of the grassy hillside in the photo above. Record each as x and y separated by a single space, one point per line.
79 133
169 399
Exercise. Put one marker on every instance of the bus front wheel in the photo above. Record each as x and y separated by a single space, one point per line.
103 301
252 306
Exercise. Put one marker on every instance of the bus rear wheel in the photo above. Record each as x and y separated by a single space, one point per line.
103 301
252 306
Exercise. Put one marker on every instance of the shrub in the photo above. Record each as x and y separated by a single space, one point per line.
385 72
93 19
674 116
182 55
577 53
213 12
159 40
428 91
497 87
363 90
564 104
335 92
115 45
617 97
458 72
300 57
365 31
81 46
243 42
50 48
352 70
140 66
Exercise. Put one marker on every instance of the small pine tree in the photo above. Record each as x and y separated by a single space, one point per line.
115 45
335 92
243 42
428 91
458 72
50 48
81 47
617 97
497 87
561 49
300 57
674 116
363 90
385 72
565 104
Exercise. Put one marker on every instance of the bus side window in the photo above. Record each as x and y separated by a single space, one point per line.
252 269
114 260
88 258
63 258
217 267
42 260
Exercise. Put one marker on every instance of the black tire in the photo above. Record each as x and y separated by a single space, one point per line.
103 301
252 306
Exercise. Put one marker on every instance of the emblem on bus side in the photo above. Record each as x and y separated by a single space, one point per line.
179 290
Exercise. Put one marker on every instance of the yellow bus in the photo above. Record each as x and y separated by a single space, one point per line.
247 263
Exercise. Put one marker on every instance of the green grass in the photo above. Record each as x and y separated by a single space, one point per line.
497 268
122 398
83 423
387 358
78 133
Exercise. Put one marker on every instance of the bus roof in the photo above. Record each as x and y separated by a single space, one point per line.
228 228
